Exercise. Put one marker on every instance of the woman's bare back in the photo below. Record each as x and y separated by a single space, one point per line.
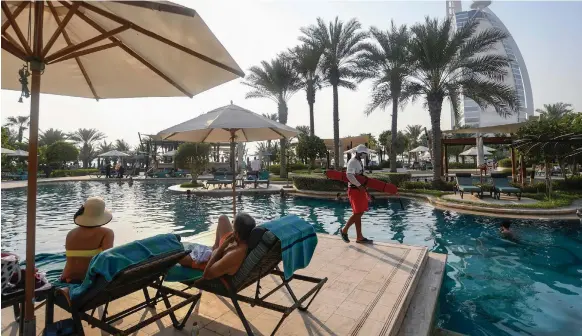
84 239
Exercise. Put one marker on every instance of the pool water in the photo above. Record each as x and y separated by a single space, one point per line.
493 286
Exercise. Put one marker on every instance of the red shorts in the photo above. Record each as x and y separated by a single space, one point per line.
358 200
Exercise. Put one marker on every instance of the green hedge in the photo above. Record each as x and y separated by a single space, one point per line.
73 172
317 183
276 169
395 178
437 185
573 183
386 164
504 163
460 165
191 185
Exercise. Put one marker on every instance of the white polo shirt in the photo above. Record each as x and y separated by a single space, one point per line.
256 165
354 167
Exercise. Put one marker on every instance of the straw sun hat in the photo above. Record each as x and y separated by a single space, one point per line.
93 213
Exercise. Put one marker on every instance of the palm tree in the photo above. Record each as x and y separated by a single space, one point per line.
21 123
306 130
386 60
555 111
305 60
413 132
50 136
86 137
277 81
122 145
341 43
448 63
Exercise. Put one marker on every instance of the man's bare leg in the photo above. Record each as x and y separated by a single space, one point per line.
353 218
358 223
223 227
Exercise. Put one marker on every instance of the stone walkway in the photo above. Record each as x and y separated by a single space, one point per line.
368 291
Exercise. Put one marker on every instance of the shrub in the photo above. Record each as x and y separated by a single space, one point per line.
191 185
434 185
538 187
394 178
416 185
317 183
460 165
504 163
386 164
73 172
573 183
275 169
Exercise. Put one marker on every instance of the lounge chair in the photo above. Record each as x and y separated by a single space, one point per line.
264 178
121 271
501 185
465 184
220 179
263 257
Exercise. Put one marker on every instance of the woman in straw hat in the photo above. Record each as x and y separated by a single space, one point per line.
87 240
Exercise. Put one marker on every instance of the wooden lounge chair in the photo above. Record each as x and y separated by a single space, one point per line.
465 184
264 178
262 259
501 185
148 273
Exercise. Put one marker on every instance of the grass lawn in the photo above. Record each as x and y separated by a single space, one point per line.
558 200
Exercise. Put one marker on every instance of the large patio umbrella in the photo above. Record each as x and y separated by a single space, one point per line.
114 153
419 149
100 50
473 152
230 123
18 152
7 151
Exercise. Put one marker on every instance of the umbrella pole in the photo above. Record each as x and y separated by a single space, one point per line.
233 165
36 67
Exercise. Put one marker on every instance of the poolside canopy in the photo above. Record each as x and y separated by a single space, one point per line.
419 149
103 49
229 123
505 128
171 153
473 152
18 152
7 151
114 153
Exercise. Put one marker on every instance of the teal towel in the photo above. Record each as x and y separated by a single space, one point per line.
183 274
298 242
110 262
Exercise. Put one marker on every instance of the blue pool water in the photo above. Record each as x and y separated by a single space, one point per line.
492 286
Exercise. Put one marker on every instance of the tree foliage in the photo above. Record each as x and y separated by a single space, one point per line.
61 152
50 136
193 156
555 111
310 147
21 123
86 138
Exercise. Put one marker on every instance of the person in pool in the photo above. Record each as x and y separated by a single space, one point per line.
505 230
87 240
229 250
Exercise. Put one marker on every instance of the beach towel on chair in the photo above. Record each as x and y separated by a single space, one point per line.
110 262
298 242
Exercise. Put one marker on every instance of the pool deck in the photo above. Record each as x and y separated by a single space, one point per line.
380 289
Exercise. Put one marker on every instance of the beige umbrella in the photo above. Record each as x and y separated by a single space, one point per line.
229 123
99 50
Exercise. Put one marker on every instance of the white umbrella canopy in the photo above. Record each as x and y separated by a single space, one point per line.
114 153
488 149
170 153
105 49
141 49
419 149
7 151
228 123
216 126
473 152
18 152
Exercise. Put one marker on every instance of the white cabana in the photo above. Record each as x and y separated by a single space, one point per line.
171 153
7 151
419 149
473 152
18 152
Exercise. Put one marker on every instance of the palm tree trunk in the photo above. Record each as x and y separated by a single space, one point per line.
20 133
435 105
336 149
311 102
394 134
283 111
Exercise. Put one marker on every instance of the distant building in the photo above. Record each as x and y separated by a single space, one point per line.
517 75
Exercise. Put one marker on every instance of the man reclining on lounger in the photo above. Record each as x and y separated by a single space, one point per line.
229 250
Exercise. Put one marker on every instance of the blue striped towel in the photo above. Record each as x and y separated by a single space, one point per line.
110 262
298 242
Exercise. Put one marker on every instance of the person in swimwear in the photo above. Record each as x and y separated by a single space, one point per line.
505 230
229 250
88 239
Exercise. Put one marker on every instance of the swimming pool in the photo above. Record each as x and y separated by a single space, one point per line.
492 286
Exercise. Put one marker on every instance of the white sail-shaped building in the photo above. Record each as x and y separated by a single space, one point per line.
517 75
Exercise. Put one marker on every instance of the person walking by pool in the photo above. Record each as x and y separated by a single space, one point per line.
107 170
357 194
256 167
87 240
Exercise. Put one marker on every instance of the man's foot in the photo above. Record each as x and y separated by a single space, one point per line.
344 237
364 241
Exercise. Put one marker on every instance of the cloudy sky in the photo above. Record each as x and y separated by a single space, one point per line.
547 33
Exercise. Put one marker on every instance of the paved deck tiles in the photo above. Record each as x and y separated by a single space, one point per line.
367 293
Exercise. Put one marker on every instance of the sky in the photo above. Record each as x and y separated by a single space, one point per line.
547 33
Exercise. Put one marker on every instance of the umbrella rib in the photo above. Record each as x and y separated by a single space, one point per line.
207 135
60 28
128 50
14 50
162 39
274 130
69 42
14 43
16 28
17 12
85 52
244 134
